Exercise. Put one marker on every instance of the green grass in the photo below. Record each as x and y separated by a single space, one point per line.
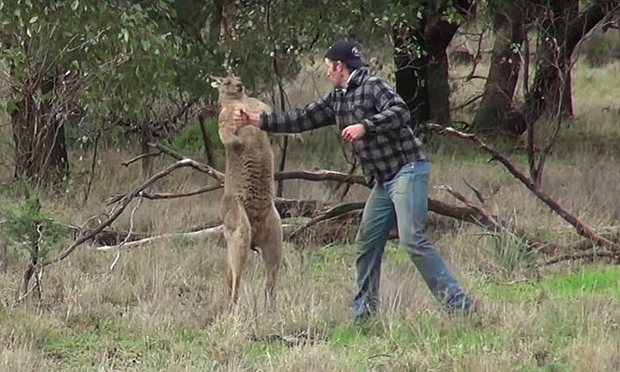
521 326
598 282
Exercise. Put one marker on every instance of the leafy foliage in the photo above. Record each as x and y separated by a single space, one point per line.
111 61
26 225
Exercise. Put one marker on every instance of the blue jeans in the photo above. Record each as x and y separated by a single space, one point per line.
401 200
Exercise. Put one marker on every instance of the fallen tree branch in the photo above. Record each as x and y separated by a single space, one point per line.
213 232
201 167
579 256
194 234
140 157
316 175
321 175
124 202
582 229
485 218
167 195
308 208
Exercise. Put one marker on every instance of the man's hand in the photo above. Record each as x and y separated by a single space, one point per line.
243 117
353 132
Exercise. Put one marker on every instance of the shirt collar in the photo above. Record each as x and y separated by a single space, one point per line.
352 79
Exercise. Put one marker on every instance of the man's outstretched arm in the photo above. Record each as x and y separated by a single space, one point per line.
314 115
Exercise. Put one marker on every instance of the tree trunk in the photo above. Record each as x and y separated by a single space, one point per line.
411 74
558 45
422 79
40 149
206 141
566 108
438 87
497 100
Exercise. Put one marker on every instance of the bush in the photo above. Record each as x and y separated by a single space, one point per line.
601 48
28 229
189 140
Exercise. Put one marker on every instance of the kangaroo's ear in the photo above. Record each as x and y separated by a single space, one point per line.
215 80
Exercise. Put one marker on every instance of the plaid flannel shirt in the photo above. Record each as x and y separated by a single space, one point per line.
388 144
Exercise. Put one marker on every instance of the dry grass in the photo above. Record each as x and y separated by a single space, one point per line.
162 307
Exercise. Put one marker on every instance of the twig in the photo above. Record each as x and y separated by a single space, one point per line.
582 229
93 166
467 103
167 195
201 167
25 294
140 157
489 220
131 221
205 232
316 175
120 208
477 192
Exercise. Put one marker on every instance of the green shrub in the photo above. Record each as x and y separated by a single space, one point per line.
189 140
30 230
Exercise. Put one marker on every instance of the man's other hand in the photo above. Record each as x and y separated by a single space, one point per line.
353 132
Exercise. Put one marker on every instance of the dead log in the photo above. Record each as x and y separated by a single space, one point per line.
582 229
316 209
122 205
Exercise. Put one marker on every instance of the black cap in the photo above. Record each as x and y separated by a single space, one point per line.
347 52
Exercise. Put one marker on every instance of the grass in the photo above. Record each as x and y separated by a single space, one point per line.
163 307
120 321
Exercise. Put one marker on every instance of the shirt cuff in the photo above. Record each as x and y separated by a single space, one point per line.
369 126
262 121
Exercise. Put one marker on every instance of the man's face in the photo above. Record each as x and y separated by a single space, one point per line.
336 72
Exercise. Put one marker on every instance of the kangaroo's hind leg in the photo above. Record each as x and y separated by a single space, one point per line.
270 240
237 232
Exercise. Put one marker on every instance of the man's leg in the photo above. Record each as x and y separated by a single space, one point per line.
409 193
377 219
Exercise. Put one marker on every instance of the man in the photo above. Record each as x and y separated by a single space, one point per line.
374 120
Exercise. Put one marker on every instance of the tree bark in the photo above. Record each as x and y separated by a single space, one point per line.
40 148
411 73
422 78
560 33
206 141
497 101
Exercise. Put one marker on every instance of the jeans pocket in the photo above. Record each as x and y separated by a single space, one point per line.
402 183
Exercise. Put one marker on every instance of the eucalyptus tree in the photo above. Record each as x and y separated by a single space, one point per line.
81 65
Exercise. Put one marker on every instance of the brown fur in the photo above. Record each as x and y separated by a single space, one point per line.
251 220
